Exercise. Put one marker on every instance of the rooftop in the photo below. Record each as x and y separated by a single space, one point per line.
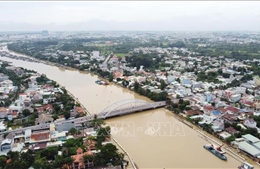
250 138
248 148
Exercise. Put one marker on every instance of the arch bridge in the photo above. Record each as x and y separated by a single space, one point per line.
128 106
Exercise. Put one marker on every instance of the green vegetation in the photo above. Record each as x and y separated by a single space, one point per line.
120 55
152 95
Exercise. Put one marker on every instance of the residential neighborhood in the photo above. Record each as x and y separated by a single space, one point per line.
38 101
218 94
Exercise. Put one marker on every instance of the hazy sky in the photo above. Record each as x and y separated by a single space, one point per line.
130 15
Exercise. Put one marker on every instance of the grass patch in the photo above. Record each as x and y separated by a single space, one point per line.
120 55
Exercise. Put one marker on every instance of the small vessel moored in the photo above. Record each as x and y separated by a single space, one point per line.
218 148
246 165
215 152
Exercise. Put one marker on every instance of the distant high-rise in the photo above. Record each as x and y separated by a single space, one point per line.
45 32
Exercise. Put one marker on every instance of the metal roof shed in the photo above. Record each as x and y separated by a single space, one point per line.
249 148
250 138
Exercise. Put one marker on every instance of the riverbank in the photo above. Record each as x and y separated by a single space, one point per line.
234 153
108 92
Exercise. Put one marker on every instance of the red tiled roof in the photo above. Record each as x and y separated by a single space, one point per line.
39 146
246 102
222 110
2 109
229 117
193 112
232 109
48 107
79 150
208 107
40 136
231 130
79 110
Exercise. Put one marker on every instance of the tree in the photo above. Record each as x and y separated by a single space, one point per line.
3 161
210 88
27 157
97 122
108 152
60 161
102 134
41 163
26 112
163 84
89 159
74 131
230 139
136 86
49 153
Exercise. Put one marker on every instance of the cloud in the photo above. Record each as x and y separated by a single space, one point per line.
130 15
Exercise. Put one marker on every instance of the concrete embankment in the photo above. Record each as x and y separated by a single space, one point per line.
129 157
208 137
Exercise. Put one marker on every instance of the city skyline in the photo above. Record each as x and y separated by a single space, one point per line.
130 16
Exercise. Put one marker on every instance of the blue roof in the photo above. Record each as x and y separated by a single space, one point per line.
216 112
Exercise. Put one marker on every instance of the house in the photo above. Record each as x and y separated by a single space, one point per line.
235 97
193 112
38 146
59 136
23 96
218 125
95 55
6 145
63 125
231 130
33 84
48 108
185 82
118 73
2 126
232 110
12 114
7 84
43 119
40 137
224 135
80 110
208 109
3 77
249 122
247 103
3 112
78 162
27 135
18 105
229 118
249 144
257 103
37 97
209 97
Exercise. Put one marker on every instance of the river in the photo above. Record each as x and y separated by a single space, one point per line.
154 138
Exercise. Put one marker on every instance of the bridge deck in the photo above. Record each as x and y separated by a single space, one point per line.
104 115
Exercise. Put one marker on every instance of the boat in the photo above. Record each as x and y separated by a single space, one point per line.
211 149
98 82
217 148
246 165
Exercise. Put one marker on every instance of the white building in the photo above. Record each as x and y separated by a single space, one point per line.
250 123
95 55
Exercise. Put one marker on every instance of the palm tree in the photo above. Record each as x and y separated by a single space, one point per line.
97 122
89 160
